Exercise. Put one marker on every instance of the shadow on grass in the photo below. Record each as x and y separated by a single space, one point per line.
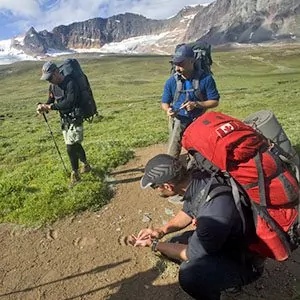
92 271
99 172
127 180
128 171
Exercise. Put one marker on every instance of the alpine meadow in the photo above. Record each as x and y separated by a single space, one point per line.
34 188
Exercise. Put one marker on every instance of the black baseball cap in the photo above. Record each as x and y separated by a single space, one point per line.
160 169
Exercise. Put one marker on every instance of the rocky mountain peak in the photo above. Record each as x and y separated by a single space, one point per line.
223 21
246 21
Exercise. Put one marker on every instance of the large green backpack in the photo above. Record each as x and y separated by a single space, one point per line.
86 102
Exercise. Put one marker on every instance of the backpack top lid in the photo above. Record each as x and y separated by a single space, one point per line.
71 67
222 139
86 104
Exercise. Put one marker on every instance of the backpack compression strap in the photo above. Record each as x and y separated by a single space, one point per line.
179 89
261 208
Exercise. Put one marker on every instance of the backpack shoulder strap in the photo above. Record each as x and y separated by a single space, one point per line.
179 88
211 191
196 85
57 92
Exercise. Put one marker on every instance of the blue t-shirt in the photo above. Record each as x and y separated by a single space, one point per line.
207 88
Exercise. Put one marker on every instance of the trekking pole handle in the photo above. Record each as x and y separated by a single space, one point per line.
43 112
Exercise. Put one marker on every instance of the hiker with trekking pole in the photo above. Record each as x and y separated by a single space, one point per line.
64 96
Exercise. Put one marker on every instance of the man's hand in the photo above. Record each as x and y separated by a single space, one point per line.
42 108
136 242
150 233
189 105
170 112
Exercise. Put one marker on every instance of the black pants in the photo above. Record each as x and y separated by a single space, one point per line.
76 153
204 278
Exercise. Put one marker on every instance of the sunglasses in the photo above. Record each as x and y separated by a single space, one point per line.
50 78
155 186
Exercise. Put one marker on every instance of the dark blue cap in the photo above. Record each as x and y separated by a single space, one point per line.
183 52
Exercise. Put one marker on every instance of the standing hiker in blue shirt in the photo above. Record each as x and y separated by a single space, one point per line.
187 94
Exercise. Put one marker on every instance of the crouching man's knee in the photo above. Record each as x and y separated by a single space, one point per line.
192 281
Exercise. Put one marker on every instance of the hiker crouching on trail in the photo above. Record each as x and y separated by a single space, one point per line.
213 255
186 96
63 95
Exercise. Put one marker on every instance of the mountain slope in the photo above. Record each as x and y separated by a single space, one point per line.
223 21
246 21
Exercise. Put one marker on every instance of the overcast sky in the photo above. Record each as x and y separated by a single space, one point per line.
17 16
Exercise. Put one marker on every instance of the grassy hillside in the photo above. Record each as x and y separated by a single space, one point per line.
33 186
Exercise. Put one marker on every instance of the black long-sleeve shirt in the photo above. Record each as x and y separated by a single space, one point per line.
64 96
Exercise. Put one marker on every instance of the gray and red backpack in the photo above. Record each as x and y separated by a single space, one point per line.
245 160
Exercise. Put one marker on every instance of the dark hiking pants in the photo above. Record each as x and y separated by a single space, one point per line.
206 277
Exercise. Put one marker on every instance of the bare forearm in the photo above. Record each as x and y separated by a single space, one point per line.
208 104
180 221
172 250
165 106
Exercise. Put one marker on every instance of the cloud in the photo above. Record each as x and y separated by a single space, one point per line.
28 8
46 14
153 9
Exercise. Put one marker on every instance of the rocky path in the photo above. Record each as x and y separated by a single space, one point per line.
84 257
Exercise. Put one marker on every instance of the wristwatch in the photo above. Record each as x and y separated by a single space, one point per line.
154 245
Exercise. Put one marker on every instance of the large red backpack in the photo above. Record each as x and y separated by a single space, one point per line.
227 147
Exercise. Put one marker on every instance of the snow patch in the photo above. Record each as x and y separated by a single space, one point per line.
9 55
19 40
131 45
187 18
55 52
194 5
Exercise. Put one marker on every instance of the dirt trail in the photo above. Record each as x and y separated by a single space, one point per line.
81 257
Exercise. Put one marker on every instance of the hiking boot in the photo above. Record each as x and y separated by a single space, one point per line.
177 199
85 168
75 177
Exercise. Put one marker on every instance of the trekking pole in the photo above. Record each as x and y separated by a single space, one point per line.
55 143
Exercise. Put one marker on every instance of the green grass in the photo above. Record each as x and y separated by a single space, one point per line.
33 186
